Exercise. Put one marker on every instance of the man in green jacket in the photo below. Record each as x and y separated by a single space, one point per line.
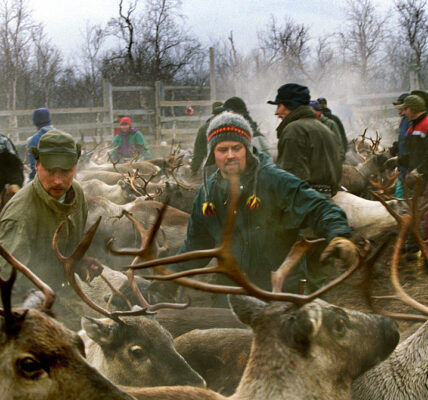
29 221
274 206
306 147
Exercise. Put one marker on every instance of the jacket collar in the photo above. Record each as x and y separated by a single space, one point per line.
298 113
69 205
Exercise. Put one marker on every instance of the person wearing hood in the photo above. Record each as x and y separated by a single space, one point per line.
42 120
129 143
274 206
306 147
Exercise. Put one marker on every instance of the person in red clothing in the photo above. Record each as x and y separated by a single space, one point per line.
416 160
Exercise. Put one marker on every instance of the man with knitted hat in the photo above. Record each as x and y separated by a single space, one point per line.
273 207
306 147
30 219
42 120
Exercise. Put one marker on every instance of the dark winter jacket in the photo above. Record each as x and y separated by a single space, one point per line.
327 112
33 142
417 142
308 149
11 167
264 236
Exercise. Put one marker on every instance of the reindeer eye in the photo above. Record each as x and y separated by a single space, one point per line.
340 326
137 352
30 368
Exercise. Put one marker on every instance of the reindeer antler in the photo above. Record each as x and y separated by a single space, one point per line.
410 221
46 290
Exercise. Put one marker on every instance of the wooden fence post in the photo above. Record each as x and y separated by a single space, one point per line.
158 110
108 103
213 94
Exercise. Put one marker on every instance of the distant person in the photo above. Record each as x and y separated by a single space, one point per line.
200 146
306 147
400 146
42 120
331 125
238 106
129 143
328 113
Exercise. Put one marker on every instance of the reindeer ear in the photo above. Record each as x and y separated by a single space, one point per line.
307 323
246 308
99 330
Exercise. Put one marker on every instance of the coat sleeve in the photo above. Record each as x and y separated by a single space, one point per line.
14 238
304 207
293 152
139 140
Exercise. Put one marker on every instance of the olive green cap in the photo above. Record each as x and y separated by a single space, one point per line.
57 149
414 103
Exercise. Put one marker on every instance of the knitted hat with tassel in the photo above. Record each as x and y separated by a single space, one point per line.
233 127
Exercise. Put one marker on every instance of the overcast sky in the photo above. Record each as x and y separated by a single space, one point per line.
209 20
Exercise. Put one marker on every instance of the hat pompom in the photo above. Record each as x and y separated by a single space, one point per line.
253 202
208 209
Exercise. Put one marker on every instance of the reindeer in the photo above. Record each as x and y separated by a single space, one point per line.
117 193
404 374
306 349
130 338
39 357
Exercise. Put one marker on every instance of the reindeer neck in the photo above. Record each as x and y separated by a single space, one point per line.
280 373
367 168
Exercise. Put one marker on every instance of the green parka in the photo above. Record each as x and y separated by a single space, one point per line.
263 236
308 149
28 223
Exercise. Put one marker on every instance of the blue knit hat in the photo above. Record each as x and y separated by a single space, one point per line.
292 95
41 117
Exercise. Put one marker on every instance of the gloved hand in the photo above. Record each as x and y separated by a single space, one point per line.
412 177
393 150
343 249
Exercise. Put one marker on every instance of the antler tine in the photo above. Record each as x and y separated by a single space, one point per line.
397 217
6 297
46 290
296 253
69 264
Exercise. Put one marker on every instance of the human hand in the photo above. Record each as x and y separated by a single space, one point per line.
343 249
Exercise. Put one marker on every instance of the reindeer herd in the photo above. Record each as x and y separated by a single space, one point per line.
136 343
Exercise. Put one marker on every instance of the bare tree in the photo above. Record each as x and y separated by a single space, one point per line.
16 29
46 67
414 26
363 37
93 40
285 47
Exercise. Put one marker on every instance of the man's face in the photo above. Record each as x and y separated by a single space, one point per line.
230 157
124 128
318 114
55 181
407 112
282 111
